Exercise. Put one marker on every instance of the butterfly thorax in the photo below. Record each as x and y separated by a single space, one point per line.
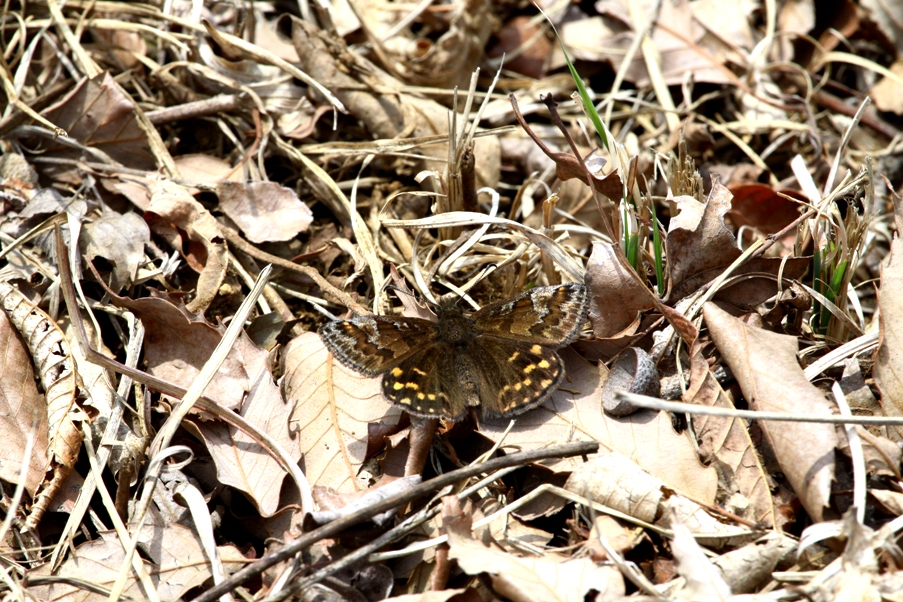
454 327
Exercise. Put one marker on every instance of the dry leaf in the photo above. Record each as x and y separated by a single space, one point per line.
574 413
66 412
726 442
703 580
889 357
765 209
698 241
751 566
180 562
700 247
888 16
206 169
120 239
616 298
615 481
98 114
265 211
178 344
765 365
99 560
684 42
22 410
242 462
334 410
191 230
528 579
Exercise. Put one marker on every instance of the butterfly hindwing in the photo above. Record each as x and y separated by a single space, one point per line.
425 384
514 376
547 315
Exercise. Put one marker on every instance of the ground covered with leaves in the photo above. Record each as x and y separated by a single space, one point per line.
451 300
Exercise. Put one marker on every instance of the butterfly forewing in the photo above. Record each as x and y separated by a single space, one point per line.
547 315
515 376
373 344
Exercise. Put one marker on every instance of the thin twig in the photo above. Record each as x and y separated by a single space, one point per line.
654 403
331 291
337 526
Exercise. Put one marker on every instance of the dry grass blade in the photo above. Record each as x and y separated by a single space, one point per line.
463 218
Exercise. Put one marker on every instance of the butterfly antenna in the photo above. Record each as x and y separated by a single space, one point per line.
399 290
462 291
490 268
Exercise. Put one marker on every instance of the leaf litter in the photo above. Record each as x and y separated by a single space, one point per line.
733 215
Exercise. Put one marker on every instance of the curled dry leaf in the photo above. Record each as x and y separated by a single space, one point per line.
334 409
634 371
765 365
698 241
616 297
703 581
65 412
613 480
193 232
574 413
749 567
726 443
265 211
700 247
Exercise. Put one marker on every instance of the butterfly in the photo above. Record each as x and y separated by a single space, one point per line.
501 358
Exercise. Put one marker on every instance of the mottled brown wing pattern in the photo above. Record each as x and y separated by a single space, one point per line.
546 315
515 376
426 385
373 344
501 358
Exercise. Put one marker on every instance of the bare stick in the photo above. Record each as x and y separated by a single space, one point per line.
337 526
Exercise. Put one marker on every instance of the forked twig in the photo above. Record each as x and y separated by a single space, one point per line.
337 526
